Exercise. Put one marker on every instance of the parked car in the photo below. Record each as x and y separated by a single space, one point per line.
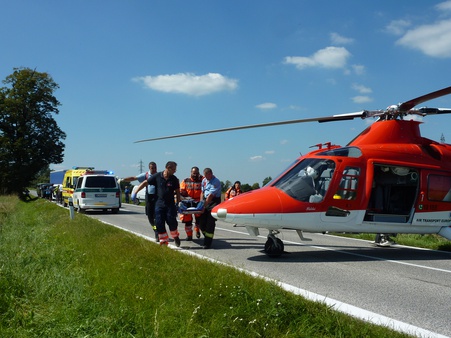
140 196
97 192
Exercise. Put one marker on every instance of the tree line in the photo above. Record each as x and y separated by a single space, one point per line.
244 186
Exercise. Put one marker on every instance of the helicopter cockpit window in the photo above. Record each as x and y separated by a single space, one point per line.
344 152
308 181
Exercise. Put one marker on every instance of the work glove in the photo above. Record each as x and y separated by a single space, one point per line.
200 205
181 208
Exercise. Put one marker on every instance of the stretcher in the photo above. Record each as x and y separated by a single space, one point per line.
190 206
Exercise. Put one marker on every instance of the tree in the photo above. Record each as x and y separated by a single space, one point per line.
245 187
30 139
267 180
225 186
255 186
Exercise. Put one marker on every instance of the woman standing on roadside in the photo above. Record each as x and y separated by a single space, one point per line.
233 191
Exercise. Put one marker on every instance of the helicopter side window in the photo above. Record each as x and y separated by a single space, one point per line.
439 188
306 181
348 185
344 152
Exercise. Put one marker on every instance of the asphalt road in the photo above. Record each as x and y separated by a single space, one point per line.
403 287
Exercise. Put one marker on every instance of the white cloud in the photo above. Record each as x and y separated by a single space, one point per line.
338 39
329 57
433 40
413 118
266 105
361 89
283 141
331 81
256 158
361 99
444 6
358 69
270 152
189 84
397 27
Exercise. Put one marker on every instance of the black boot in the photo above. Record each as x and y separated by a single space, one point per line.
207 242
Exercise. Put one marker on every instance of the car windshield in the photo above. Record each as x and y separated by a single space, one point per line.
100 182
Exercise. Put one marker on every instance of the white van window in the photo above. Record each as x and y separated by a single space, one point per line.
100 182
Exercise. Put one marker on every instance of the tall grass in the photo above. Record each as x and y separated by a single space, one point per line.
81 278
430 241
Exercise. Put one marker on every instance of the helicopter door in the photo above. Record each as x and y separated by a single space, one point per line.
393 194
345 198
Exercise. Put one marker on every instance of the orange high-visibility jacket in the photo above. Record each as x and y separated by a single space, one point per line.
192 188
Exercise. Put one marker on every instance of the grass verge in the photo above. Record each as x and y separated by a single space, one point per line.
81 278
433 242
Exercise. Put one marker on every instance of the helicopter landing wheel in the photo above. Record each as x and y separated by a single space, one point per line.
274 246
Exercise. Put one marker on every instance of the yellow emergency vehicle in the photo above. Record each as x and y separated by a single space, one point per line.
70 181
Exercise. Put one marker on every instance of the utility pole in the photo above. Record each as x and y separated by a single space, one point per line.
442 138
141 166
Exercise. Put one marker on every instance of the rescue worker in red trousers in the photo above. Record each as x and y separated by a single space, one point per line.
166 186
211 195
191 188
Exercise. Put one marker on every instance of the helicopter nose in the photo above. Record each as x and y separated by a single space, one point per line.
262 201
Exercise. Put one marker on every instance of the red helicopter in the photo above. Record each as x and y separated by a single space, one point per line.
387 180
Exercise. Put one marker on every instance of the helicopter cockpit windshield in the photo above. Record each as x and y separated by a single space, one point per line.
308 181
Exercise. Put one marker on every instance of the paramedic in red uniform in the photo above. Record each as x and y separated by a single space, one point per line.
191 188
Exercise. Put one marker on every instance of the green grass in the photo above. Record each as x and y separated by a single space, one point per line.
81 278
434 242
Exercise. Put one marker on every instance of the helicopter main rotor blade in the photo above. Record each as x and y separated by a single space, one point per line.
406 106
340 117
434 111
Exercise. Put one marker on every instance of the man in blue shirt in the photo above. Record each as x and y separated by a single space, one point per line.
150 194
211 195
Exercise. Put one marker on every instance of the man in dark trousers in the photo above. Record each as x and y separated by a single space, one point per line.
166 186
150 194
211 195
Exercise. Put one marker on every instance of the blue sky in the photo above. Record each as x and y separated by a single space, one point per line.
131 70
